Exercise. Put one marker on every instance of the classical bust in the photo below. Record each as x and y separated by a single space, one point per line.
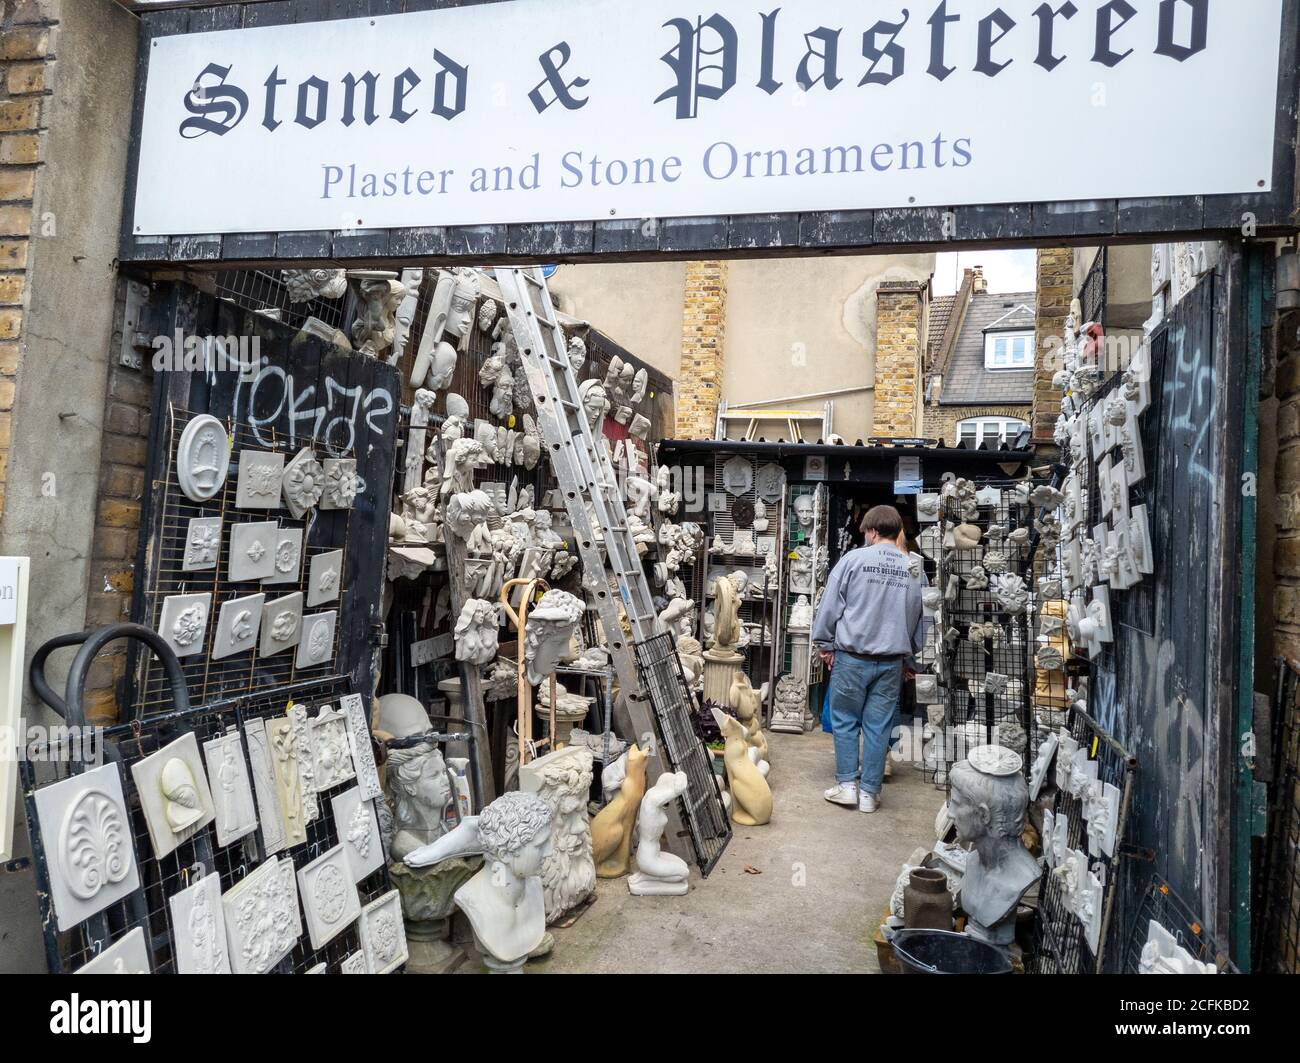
420 787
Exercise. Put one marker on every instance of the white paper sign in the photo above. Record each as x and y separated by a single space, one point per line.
8 590
537 110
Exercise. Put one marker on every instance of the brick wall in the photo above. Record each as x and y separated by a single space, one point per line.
1055 292
1286 595
900 311
699 386
26 64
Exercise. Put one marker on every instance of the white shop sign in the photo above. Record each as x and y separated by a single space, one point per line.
546 110
13 631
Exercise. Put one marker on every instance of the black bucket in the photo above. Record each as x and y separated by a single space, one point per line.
943 952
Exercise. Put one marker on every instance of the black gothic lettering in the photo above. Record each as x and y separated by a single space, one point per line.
687 61
563 91
1200 11
892 51
767 82
1107 27
217 108
829 57
938 29
1003 22
458 76
1047 58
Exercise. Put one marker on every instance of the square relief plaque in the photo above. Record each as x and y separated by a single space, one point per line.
383 935
252 551
174 794
262 921
281 624
199 928
184 622
202 544
329 741
329 896
288 556
127 955
317 645
260 474
324 577
237 626
358 828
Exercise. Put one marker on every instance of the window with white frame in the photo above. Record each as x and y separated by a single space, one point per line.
1009 350
995 431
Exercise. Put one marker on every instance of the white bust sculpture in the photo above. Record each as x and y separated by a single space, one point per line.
550 626
658 874
476 632
801 614
504 901
803 510
989 812
420 787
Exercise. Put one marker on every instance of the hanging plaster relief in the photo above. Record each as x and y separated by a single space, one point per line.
769 482
202 544
995 683
329 731
928 508
383 934
303 484
595 404
476 632
341 483
202 458
363 756
640 383
801 572
1101 810
281 624
284 752
199 928
252 551
262 922
127 955
324 577
237 626
358 831
174 794
562 779
1140 540
288 557
1130 442
265 790
232 793
1163 955
184 622
379 294
577 353
329 896
317 645
260 473
464 457
1011 593
468 510
87 836
1038 772
354 964
738 476
1090 900
977 579
927 689
304 285
640 427
304 739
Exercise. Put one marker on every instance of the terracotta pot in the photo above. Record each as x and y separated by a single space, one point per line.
927 904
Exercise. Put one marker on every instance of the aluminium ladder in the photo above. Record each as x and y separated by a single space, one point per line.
648 673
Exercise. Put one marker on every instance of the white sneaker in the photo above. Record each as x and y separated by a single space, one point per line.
868 802
845 793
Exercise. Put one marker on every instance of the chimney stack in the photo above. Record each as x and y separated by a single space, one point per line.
979 284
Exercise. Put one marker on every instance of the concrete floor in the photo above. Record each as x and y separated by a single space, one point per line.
826 877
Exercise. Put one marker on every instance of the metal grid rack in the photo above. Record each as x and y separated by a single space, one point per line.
200 855
1060 943
243 673
975 715
264 292
1159 903
702 809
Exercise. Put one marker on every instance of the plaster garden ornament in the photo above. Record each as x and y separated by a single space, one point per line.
611 830
285 753
464 457
202 458
1163 955
751 796
316 646
1011 593
287 551
927 689
577 353
304 285
966 536
551 625
341 483
659 873
324 576
383 934
330 749
987 804
978 579
237 626
329 896
202 544
1046 497
358 830
232 791
269 813
505 901
174 794
260 474
184 622
1101 810
476 632
128 955
1042 762
468 510
1140 540
379 294
562 778
252 551
199 928
801 614
738 475
86 831
303 483
261 914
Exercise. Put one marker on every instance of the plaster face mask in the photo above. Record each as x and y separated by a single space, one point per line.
803 510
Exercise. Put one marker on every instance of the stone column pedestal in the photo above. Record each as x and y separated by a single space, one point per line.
720 668
428 901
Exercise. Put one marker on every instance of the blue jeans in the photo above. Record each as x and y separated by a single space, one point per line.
864 704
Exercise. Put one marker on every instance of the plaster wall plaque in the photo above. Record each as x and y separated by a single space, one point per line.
354 964
341 482
305 741
202 458
262 921
87 836
329 896
252 551
770 482
329 731
174 794
303 483
258 486
269 813
127 955
288 556
358 830
281 624
738 475
232 791
237 626
317 645
184 622
288 781
383 935
199 928
325 575
202 544
363 754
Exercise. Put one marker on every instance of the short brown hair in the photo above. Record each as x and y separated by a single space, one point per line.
884 521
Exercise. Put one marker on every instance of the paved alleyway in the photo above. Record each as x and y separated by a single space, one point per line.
827 874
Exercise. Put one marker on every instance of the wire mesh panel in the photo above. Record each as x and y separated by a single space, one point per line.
701 806
265 292
199 855
1160 904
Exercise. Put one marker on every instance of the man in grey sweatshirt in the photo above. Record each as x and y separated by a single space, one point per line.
869 621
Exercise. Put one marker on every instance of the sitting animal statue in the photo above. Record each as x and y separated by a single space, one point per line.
746 702
611 830
751 797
